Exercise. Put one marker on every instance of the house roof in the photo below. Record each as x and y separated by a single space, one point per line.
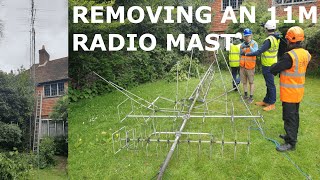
53 70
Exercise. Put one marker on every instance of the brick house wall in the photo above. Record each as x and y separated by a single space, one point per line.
216 26
48 102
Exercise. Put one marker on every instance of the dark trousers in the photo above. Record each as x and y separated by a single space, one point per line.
290 116
270 97
236 75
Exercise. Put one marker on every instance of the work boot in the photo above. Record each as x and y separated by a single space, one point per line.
261 104
282 136
285 147
250 100
270 107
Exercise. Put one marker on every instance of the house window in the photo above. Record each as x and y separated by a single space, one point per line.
47 90
286 2
54 89
60 88
235 4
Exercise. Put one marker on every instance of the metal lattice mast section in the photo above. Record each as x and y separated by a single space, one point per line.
186 117
32 65
130 95
199 95
246 106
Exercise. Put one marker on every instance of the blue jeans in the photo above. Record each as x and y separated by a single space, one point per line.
235 75
270 97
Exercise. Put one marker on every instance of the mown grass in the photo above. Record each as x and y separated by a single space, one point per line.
93 121
58 172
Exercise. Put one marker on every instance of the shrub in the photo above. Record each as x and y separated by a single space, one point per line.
182 67
10 136
14 165
47 150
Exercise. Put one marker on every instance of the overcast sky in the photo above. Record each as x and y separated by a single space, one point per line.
51 27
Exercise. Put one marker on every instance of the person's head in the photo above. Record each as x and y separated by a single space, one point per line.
236 41
294 36
270 27
247 35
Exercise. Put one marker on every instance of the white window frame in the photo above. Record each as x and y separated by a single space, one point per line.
286 2
229 4
58 92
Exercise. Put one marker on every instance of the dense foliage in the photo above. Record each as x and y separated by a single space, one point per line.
14 165
60 109
10 136
47 151
16 101
124 68
15 97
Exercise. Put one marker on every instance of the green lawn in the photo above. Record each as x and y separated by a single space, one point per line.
57 172
93 121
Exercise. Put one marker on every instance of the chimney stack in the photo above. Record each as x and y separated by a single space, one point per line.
43 56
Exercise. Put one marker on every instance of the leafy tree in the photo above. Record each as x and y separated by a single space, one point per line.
16 101
16 97
60 110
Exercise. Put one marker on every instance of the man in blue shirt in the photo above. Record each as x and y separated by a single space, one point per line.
248 64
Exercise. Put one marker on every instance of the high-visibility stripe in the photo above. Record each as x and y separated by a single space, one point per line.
291 85
269 56
295 74
247 60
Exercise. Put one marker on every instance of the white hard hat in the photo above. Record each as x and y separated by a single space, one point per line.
270 25
238 35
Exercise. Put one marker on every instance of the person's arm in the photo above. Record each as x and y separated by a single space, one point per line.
241 49
265 46
254 47
283 64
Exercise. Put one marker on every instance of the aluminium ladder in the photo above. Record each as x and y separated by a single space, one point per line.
37 123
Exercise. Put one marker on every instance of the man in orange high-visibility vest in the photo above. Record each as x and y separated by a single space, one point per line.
248 64
292 68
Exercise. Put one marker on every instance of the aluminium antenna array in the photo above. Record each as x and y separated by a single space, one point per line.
175 122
